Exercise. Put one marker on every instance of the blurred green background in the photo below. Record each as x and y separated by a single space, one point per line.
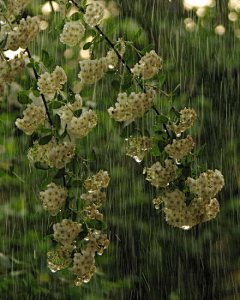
147 258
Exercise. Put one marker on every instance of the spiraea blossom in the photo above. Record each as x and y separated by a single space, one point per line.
72 34
80 127
94 13
97 181
178 214
26 32
92 70
207 185
13 8
33 117
180 148
66 112
53 198
60 259
160 176
148 66
66 231
93 200
139 147
187 118
10 69
112 58
135 105
49 84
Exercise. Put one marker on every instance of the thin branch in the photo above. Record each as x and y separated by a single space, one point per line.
43 97
161 91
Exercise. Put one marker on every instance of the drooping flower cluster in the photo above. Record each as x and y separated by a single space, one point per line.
207 185
112 58
94 13
66 231
26 32
53 198
180 148
135 105
72 34
187 118
49 84
66 112
33 117
139 147
160 176
92 70
52 154
148 66
80 127
97 181
13 8
180 215
10 69
93 200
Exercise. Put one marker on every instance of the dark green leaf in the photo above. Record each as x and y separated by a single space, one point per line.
161 145
186 171
57 122
82 235
60 173
128 130
38 165
46 130
55 105
199 151
92 157
49 237
46 139
77 183
76 16
87 46
174 114
116 85
30 65
61 25
137 35
146 49
3 42
162 119
155 151
162 80
126 86
76 165
23 97
71 96
46 182
78 113
96 224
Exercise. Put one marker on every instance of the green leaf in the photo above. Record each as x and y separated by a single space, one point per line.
96 224
57 122
3 42
45 57
162 80
161 145
49 237
146 49
76 165
92 157
46 130
23 97
162 119
36 93
199 151
186 172
173 92
173 114
46 139
82 235
137 35
60 173
61 25
160 135
77 183
87 46
116 85
155 151
111 30
78 113
128 130
71 96
38 165
55 105
126 86
46 182
76 16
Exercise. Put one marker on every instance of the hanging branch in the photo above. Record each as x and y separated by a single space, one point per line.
43 97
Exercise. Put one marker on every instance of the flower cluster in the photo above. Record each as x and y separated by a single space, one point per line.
180 148
66 231
53 198
97 181
61 258
207 185
50 84
66 112
180 215
33 117
26 32
135 105
139 147
160 176
187 118
13 8
94 13
93 200
72 34
9 69
112 58
80 127
148 66
52 154
92 70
